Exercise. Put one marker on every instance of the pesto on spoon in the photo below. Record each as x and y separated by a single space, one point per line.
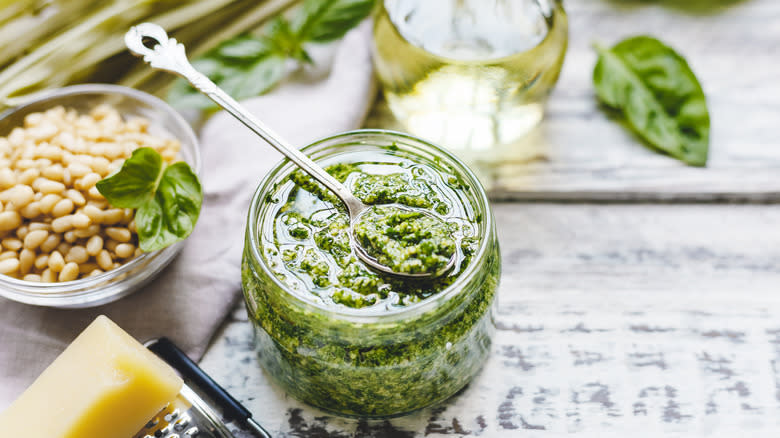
408 257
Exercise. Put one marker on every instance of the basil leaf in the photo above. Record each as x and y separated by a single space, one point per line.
327 20
171 214
168 199
655 89
247 65
135 183
244 47
256 80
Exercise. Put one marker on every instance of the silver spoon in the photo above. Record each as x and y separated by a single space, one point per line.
168 55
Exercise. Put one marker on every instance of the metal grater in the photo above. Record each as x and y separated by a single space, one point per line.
189 416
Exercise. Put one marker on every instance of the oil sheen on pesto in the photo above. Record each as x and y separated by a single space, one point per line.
410 241
311 251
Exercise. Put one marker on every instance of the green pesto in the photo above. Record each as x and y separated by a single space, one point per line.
366 369
361 371
406 241
312 234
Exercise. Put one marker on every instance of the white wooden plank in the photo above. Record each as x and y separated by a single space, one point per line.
613 320
579 153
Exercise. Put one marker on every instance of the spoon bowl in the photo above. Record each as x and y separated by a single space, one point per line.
151 42
373 261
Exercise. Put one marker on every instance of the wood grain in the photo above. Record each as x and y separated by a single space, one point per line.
613 319
580 152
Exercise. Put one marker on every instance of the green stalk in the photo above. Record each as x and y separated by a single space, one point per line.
75 40
77 47
144 76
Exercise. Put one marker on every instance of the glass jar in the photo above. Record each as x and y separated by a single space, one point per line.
469 74
363 362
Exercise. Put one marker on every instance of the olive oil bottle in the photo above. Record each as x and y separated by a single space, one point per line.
469 74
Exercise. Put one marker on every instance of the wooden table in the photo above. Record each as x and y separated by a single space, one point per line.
638 295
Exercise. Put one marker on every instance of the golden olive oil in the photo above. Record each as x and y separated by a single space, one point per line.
469 74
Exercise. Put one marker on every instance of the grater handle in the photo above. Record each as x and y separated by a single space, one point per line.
231 408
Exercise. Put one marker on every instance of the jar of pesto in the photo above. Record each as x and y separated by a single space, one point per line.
341 337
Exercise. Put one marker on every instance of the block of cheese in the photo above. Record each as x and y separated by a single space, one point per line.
105 384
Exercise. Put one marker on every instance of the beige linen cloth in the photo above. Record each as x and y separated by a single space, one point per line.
190 299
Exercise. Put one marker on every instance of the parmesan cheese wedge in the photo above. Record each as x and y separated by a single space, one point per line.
105 384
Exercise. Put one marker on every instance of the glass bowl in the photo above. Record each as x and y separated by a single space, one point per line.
371 363
116 283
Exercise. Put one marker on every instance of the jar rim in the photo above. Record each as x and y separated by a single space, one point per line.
356 315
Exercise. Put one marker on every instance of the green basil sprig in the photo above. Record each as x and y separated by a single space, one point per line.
659 95
167 197
249 65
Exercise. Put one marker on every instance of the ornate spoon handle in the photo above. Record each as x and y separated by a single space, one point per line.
167 54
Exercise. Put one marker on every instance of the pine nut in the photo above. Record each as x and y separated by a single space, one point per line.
53 172
80 220
94 193
77 170
124 250
110 244
62 224
56 261
32 277
88 181
12 244
113 216
42 261
76 197
122 235
31 210
47 203
8 255
95 214
50 243
47 186
20 196
95 272
104 260
9 220
127 215
7 178
28 176
94 245
39 226
22 231
25 164
63 207
89 231
48 276
69 236
9 266
69 272
26 260
77 254
63 247
35 238
100 166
